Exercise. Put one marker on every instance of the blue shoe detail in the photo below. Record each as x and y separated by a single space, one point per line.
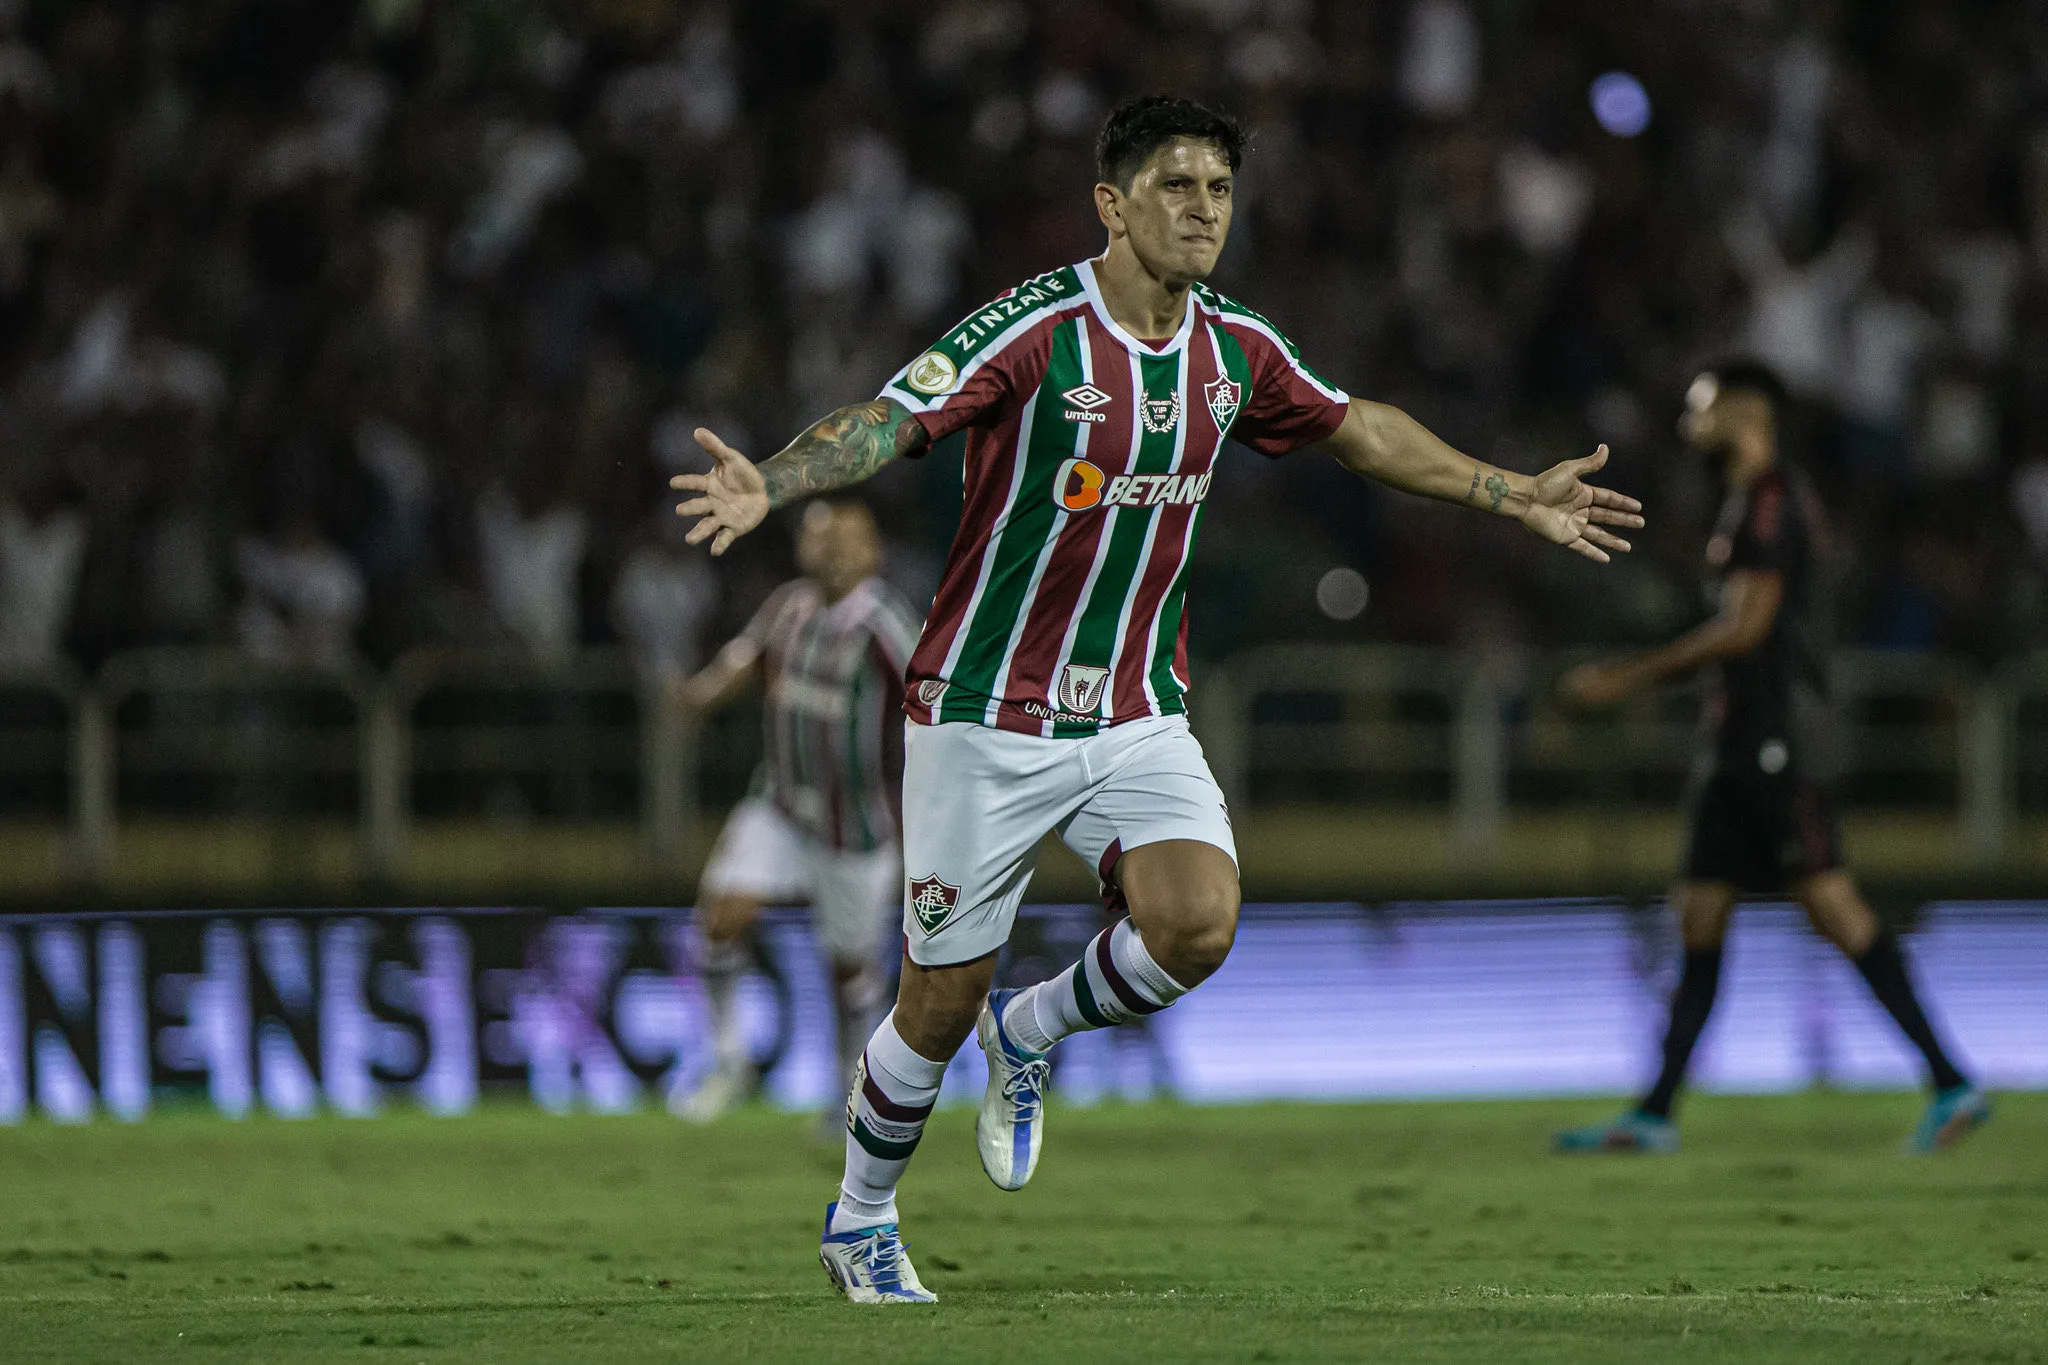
1630 1132
1951 1116
1010 1126
870 1265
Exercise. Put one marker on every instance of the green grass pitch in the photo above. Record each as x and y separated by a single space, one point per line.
1790 1229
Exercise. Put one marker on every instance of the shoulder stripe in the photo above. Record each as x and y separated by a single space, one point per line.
1228 313
983 348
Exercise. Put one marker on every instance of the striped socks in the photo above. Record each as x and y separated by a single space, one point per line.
892 1095
1116 980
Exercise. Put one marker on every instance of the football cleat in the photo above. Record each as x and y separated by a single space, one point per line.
1953 1115
717 1095
1630 1132
870 1265
1012 1120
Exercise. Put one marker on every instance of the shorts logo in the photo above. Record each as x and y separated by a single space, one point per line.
930 691
933 902
1080 688
1223 396
1086 398
933 372
1077 486
1160 415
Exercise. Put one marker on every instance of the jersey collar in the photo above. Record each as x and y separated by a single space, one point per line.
1086 270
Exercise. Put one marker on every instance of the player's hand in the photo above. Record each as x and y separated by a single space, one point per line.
1567 511
1590 687
733 497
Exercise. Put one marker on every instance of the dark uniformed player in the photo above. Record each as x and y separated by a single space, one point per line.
1761 816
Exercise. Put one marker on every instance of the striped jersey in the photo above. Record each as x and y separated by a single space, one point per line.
1089 460
833 725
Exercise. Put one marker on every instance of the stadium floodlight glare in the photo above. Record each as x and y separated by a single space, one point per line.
1620 104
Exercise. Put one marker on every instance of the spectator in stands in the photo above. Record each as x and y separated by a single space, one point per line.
302 598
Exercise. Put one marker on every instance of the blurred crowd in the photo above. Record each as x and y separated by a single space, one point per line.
335 331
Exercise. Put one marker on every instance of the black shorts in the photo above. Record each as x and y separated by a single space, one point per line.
1761 831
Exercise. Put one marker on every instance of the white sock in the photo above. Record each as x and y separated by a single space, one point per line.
856 1003
1116 980
893 1092
719 967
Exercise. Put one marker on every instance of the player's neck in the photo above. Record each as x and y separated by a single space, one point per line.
835 591
1139 301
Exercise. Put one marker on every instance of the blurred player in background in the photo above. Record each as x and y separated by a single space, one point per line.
1761 816
1047 692
829 652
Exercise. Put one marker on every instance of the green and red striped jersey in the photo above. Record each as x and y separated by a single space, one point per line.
834 679
1062 608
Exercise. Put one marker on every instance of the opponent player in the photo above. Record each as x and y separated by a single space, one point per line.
1048 689
1761 815
829 651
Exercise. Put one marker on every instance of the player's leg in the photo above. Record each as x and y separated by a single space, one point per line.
976 801
753 863
1156 830
1841 915
1704 910
853 900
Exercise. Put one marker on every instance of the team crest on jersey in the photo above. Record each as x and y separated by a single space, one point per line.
1223 396
933 372
933 902
931 691
1080 688
1160 415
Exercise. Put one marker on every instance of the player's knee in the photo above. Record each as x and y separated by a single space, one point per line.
1199 937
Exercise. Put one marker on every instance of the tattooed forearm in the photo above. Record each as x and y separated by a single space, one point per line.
841 449
1473 491
1497 488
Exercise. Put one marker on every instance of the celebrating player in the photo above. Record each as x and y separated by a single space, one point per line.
829 650
1761 816
1048 689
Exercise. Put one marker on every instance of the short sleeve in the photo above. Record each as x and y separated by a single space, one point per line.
1290 405
1767 539
985 368
895 629
766 630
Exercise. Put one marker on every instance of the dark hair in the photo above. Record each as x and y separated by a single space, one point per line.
1750 376
1139 127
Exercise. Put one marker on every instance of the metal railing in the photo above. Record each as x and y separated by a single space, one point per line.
183 733
1413 726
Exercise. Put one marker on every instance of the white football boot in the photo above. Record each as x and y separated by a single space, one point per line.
870 1265
1011 1124
717 1095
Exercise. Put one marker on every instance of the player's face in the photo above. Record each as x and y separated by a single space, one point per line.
838 547
1177 211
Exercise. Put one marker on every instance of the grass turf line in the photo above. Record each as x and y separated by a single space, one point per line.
1790 1229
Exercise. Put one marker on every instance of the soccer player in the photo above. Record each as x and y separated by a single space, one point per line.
1048 689
1761 815
829 652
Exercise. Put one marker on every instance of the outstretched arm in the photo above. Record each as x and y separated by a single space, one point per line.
1386 444
731 671
1749 607
838 451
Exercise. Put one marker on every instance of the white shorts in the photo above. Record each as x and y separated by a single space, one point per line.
852 895
977 801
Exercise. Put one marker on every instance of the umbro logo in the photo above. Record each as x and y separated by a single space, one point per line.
1085 398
